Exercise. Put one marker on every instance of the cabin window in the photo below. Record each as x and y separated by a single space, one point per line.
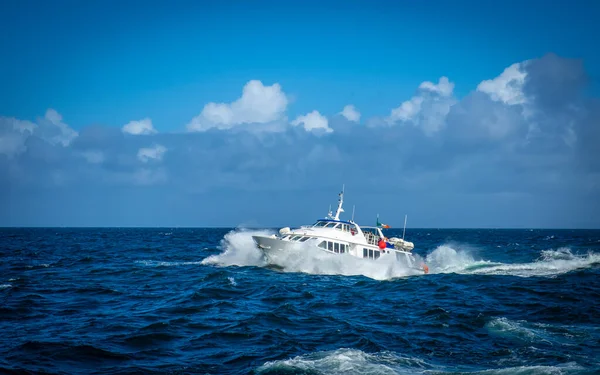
365 253
370 253
377 254
336 247
320 224
329 225
330 246
295 238
323 245
304 239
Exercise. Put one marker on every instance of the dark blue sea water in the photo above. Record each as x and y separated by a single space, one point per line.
202 301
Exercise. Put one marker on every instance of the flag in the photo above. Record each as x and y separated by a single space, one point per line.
380 225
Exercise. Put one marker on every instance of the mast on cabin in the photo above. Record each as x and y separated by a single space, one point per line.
340 203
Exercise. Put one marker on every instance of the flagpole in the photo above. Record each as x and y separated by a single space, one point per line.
404 230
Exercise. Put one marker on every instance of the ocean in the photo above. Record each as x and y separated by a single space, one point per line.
202 301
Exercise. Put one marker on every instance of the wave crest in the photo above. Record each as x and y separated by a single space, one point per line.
446 259
353 361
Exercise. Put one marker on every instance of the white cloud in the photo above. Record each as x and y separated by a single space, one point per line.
350 113
428 108
408 110
50 128
258 104
140 127
151 153
23 126
443 88
313 121
60 132
508 86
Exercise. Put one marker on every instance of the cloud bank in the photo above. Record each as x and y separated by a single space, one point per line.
521 149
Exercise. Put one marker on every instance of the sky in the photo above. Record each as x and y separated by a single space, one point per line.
462 114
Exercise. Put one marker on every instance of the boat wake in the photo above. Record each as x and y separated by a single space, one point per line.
446 259
239 250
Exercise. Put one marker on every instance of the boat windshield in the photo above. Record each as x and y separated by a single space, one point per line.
344 227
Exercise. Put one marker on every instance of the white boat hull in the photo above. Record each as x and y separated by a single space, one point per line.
274 249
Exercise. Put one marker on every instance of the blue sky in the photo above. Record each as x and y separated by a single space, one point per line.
105 116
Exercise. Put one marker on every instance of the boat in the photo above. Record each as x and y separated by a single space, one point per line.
339 237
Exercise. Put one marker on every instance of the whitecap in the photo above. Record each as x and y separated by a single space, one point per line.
156 263
347 361
353 361
446 259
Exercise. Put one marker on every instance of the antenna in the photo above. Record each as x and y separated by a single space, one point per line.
340 203
353 207
404 230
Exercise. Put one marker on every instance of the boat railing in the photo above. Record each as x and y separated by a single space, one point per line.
371 238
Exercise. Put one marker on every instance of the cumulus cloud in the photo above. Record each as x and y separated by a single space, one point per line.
258 104
508 86
155 152
59 132
140 127
428 108
313 122
522 147
14 132
350 113
444 87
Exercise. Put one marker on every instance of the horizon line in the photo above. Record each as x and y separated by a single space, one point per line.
271 227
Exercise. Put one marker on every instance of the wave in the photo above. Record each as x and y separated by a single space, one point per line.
517 330
240 250
353 361
75 352
156 263
446 259
553 334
